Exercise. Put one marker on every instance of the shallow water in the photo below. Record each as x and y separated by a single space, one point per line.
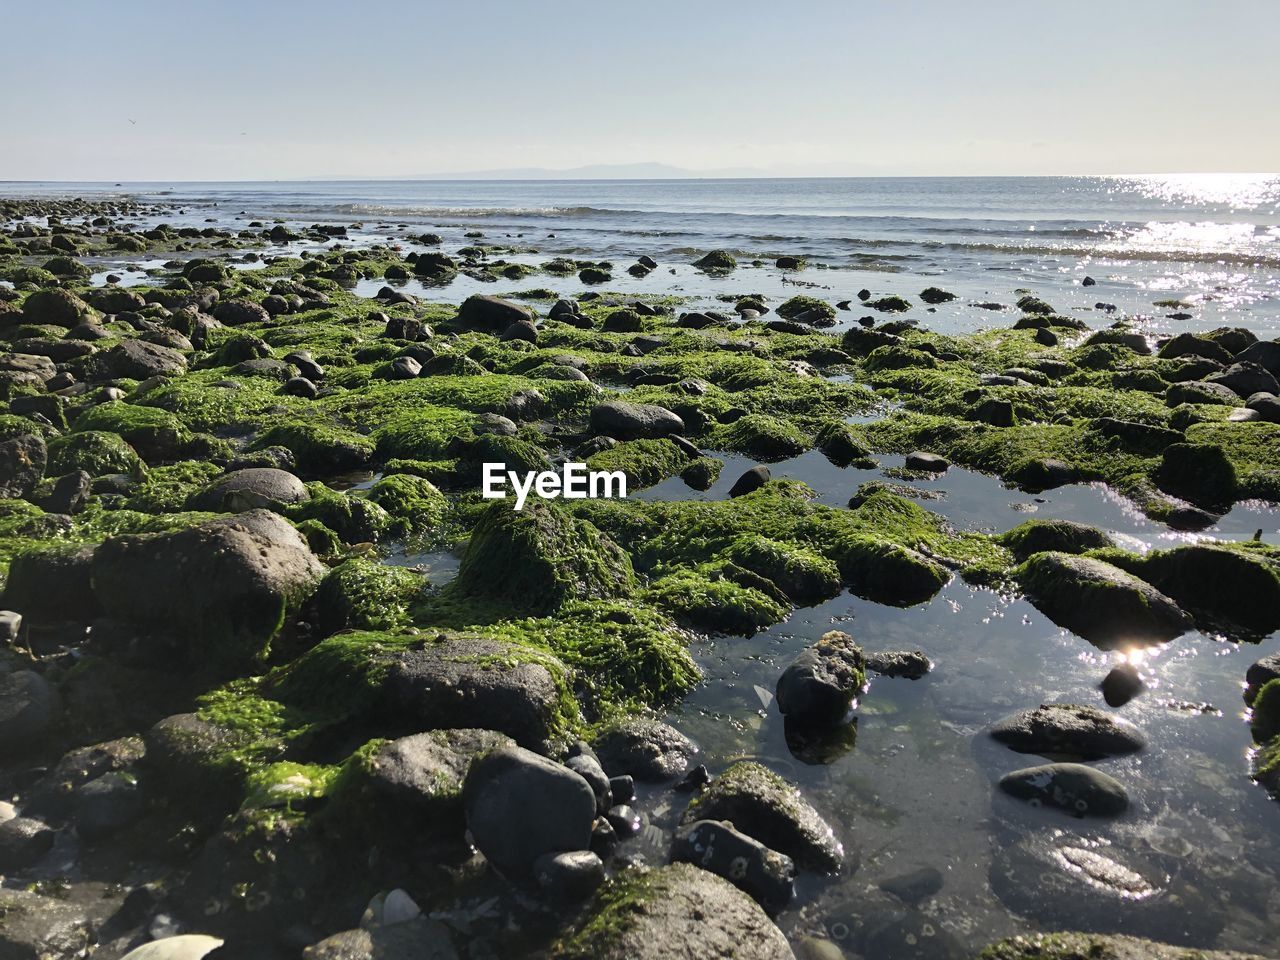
918 786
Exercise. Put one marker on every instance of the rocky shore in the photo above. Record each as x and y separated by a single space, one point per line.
237 719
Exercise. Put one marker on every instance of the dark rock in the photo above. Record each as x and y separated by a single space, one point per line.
301 387
1068 731
70 493
23 842
138 359
521 330
1259 674
915 886
1199 473
768 876
1036 476
521 806
1100 602
54 583
1121 685
753 479
236 312
220 591
927 462
22 463
28 709
106 805
588 767
622 789
492 314
644 749
449 685
1190 344
571 876
911 664
822 684
631 421
1072 787
674 911
1246 379
1265 353
764 806
403 368
626 822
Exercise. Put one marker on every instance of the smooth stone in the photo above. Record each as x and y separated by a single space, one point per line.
1071 787
768 876
520 806
927 462
1121 685
1068 730
23 842
753 479
250 489
569 876
913 886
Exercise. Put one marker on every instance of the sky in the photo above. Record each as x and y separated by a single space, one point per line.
229 90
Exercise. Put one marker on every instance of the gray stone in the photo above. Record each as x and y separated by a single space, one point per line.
1071 787
418 939
768 876
28 708
645 749
574 875
23 842
753 479
633 421
249 489
138 360
521 806
822 684
762 805
911 664
1068 731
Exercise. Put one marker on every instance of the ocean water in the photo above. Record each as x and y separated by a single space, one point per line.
1210 241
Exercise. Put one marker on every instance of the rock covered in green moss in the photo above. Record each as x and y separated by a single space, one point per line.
456 681
1100 602
1062 536
415 779
56 306
762 436
96 452
719 598
537 559
763 805
717 261
361 594
801 305
677 910
216 594
645 749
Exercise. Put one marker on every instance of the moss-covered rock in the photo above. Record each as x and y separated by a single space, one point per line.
537 559
361 594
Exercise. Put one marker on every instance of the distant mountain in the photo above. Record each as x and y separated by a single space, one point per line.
595 171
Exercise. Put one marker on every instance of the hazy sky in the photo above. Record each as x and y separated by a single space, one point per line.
261 90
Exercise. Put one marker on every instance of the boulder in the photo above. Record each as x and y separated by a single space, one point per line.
492 314
28 710
1200 473
521 806
1068 731
450 684
138 360
416 779
249 489
1265 353
217 593
762 805
677 911
822 684
1100 602
55 307
927 462
418 939
768 876
1071 787
53 582
1063 536
22 463
1246 378
644 749
234 313
1097 946
634 421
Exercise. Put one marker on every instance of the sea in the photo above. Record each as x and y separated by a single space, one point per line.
1173 251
